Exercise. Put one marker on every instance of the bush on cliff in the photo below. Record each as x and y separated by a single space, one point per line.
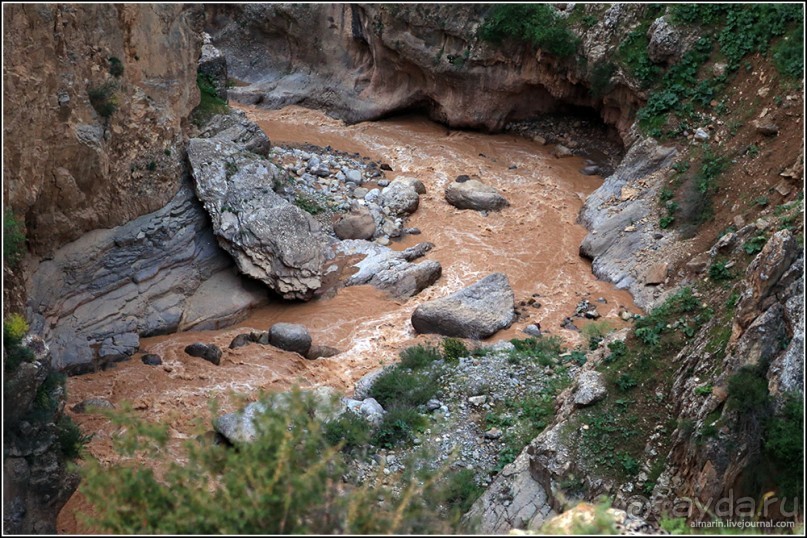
536 24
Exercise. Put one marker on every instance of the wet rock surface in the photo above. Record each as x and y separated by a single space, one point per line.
473 194
477 311
391 271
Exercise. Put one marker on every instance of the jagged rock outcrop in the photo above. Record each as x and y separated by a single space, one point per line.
158 273
36 480
365 61
477 311
270 239
235 127
619 217
67 168
213 66
389 270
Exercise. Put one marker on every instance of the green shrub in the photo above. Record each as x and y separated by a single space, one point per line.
544 350
536 24
419 356
403 387
14 330
666 221
788 54
754 245
115 67
748 391
13 239
398 426
349 430
718 272
71 440
459 491
601 78
629 464
210 103
784 445
595 331
288 481
618 350
454 349
626 382
308 204
104 98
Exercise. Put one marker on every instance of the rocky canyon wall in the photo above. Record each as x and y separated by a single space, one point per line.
70 167
362 62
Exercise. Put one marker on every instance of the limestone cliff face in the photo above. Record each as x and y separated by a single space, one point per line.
362 62
67 169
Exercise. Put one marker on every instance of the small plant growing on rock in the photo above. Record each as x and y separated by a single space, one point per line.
419 356
104 99
719 272
13 239
14 330
115 67
754 245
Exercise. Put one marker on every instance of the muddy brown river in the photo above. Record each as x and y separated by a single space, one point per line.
534 242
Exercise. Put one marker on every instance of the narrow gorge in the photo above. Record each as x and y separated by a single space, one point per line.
532 267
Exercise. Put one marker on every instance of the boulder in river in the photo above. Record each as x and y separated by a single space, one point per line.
358 223
477 311
151 359
400 198
208 352
290 337
270 239
473 194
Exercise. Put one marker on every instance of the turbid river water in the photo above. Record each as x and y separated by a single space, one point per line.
534 242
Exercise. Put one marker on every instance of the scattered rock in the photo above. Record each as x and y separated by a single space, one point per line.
242 340
477 311
413 182
561 151
89 404
208 352
493 433
698 263
569 325
533 330
151 359
656 274
766 127
400 198
318 352
477 400
290 337
473 194
701 135
385 166
462 178
590 388
356 224
590 170
362 388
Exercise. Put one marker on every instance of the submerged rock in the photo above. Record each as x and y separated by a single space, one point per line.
392 271
473 194
290 337
208 352
270 239
477 311
151 359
